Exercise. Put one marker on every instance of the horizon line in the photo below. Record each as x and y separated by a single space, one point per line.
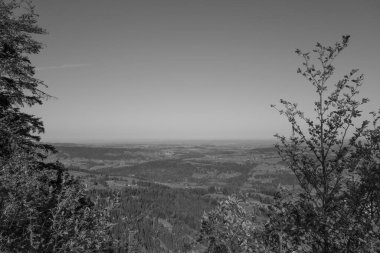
157 140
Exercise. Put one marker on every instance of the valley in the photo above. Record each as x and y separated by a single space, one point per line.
229 166
164 189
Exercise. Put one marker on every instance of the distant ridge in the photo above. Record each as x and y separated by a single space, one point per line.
192 142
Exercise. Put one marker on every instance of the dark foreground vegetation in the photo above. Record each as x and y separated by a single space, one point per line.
330 202
42 208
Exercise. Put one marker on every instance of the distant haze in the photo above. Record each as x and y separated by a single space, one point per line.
199 69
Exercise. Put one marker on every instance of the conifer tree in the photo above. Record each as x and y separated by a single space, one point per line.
42 208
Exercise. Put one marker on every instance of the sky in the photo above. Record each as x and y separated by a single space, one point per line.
201 69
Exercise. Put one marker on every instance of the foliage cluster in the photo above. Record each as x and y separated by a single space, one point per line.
230 228
337 165
42 209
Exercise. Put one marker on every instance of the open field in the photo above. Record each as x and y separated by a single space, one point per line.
225 167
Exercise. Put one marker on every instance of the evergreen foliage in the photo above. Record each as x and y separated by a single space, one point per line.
42 209
157 218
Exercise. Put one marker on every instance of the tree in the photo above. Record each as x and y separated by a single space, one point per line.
363 191
19 87
230 228
42 208
335 162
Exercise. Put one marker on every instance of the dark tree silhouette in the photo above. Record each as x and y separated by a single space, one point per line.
335 162
336 207
42 208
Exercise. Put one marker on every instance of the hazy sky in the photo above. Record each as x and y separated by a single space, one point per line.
190 69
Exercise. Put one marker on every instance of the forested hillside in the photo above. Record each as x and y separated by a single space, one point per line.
159 218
